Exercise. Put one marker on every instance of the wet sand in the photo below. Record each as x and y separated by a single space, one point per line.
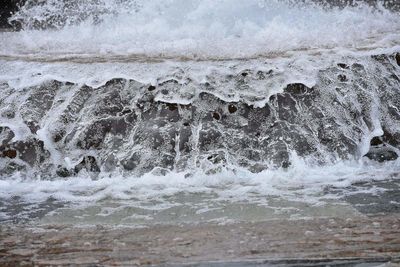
316 240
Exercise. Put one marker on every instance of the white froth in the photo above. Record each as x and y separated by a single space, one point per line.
302 180
196 29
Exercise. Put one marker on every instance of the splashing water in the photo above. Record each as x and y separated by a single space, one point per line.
196 29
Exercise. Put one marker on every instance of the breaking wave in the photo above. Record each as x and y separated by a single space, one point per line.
195 29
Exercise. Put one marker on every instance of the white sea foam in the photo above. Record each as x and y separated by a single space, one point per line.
150 40
195 29
302 181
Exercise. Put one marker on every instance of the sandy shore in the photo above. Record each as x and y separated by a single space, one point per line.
375 239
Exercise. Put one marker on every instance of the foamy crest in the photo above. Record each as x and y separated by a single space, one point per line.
196 28
303 181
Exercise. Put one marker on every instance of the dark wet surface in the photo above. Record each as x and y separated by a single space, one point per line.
359 242
7 8
390 4
292 263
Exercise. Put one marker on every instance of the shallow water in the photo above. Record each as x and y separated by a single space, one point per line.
223 198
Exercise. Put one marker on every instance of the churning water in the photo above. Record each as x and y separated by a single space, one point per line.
127 107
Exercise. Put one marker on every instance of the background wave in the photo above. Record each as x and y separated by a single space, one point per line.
196 28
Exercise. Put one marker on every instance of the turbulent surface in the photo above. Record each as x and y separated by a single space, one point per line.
136 106
196 29
63 128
